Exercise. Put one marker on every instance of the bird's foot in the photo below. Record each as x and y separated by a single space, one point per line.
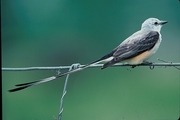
133 66
147 63
144 63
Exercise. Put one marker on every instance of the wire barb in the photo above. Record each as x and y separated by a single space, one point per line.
165 61
73 66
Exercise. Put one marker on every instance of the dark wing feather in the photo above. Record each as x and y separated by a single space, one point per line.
130 50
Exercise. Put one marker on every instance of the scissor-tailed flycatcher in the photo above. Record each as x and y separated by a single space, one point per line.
134 50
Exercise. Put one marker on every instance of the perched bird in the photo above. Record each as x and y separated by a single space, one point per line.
134 50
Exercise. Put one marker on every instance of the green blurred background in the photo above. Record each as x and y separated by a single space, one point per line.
62 32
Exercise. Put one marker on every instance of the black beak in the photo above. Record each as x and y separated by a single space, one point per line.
163 22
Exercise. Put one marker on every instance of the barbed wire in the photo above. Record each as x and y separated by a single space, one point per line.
92 66
77 65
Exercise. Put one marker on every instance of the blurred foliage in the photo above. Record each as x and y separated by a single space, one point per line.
63 32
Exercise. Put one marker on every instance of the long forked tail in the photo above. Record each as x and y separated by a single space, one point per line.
107 57
29 84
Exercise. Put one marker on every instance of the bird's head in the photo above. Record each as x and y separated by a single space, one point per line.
153 24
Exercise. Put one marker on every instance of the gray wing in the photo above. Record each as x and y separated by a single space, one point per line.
132 49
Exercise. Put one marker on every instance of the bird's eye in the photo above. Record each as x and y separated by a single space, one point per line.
156 23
